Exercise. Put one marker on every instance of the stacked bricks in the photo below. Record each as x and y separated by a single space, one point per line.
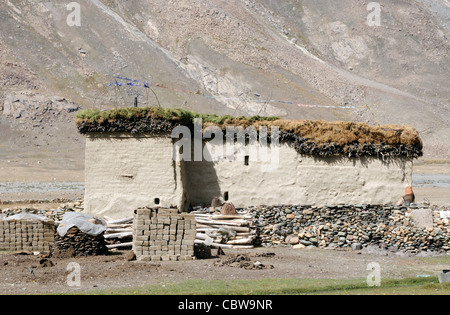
163 234
27 235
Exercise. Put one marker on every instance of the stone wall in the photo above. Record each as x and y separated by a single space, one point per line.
27 235
353 226
163 234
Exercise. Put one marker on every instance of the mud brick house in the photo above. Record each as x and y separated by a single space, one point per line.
133 160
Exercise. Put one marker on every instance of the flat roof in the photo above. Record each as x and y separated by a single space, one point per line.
311 137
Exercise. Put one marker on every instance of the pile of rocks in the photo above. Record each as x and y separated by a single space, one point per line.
77 243
53 214
34 201
241 261
354 226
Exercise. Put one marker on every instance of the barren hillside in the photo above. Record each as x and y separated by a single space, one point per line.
297 59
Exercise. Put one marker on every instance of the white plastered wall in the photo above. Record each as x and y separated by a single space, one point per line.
125 172
290 178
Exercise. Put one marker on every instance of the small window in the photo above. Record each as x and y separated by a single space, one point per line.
247 159
157 201
225 196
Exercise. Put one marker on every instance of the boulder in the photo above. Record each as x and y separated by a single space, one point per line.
292 239
356 246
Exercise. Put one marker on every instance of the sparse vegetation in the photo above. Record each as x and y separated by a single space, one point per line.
418 286
342 134
173 114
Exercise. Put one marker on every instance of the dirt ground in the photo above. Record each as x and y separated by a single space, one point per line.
436 195
24 274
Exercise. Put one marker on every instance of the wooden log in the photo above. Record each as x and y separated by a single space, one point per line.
243 241
110 231
223 222
223 216
227 217
235 228
216 245
121 245
206 230
245 234
118 235
203 215
207 239
242 237
205 227
120 221
201 236
120 226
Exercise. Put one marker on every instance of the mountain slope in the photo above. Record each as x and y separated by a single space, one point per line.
295 59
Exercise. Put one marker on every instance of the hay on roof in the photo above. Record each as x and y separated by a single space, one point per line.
318 138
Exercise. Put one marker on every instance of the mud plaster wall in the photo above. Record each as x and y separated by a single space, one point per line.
125 172
298 179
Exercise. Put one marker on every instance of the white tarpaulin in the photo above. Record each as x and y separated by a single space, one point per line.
84 222
445 214
26 216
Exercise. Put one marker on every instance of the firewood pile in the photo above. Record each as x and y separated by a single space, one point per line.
119 233
225 231
214 230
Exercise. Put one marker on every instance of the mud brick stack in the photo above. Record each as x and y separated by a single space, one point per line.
163 234
27 235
